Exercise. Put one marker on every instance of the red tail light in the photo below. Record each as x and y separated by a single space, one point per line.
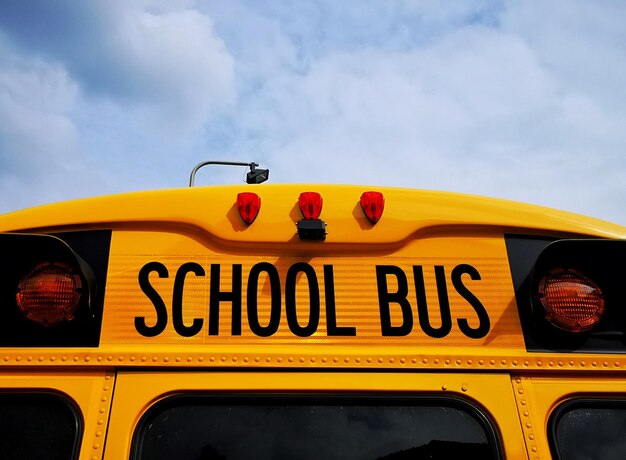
572 301
49 294
249 205
373 204
310 205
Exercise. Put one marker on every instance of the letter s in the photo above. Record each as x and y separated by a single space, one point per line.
484 323
155 298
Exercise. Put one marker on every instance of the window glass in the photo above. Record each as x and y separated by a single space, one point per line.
37 426
209 428
589 429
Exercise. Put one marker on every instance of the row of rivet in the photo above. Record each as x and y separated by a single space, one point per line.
439 362
524 411
103 411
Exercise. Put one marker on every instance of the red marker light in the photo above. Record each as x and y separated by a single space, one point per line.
310 205
49 294
572 301
373 204
249 205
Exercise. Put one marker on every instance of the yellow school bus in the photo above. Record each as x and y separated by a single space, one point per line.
310 322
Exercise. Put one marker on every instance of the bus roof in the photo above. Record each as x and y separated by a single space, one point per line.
212 210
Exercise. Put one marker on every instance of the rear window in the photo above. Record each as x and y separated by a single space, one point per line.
586 429
296 427
38 426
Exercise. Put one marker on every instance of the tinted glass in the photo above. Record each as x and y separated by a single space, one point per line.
586 430
193 428
37 426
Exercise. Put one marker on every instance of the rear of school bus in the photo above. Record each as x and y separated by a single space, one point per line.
308 322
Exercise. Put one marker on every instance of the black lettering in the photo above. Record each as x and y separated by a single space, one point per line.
385 298
331 312
483 317
290 300
217 296
252 298
155 298
177 300
422 305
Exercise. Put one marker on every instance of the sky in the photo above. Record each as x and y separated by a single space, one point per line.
510 99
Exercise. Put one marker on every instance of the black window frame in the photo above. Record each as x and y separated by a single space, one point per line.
57 397
480 414
581 402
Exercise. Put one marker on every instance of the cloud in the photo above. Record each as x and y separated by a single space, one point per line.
492 97
161 56
474 104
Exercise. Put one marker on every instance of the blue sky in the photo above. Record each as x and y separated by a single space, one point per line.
516 100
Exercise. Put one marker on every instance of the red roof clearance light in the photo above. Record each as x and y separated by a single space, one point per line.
572 302
49 294
373 204
311 228
310 205
249 205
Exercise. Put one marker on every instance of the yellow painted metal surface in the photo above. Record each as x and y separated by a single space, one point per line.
137 391
426 292
211 213
349 298
538 396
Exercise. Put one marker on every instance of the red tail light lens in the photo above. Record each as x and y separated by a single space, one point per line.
310 205
249 205
572 301
49 294
373 204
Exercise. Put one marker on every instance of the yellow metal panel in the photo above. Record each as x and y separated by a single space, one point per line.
537 397
213 210
449 271
90 391
137 391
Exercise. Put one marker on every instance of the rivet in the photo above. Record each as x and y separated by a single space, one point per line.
464 388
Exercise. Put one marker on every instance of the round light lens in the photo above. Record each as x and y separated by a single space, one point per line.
572 301
49 294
